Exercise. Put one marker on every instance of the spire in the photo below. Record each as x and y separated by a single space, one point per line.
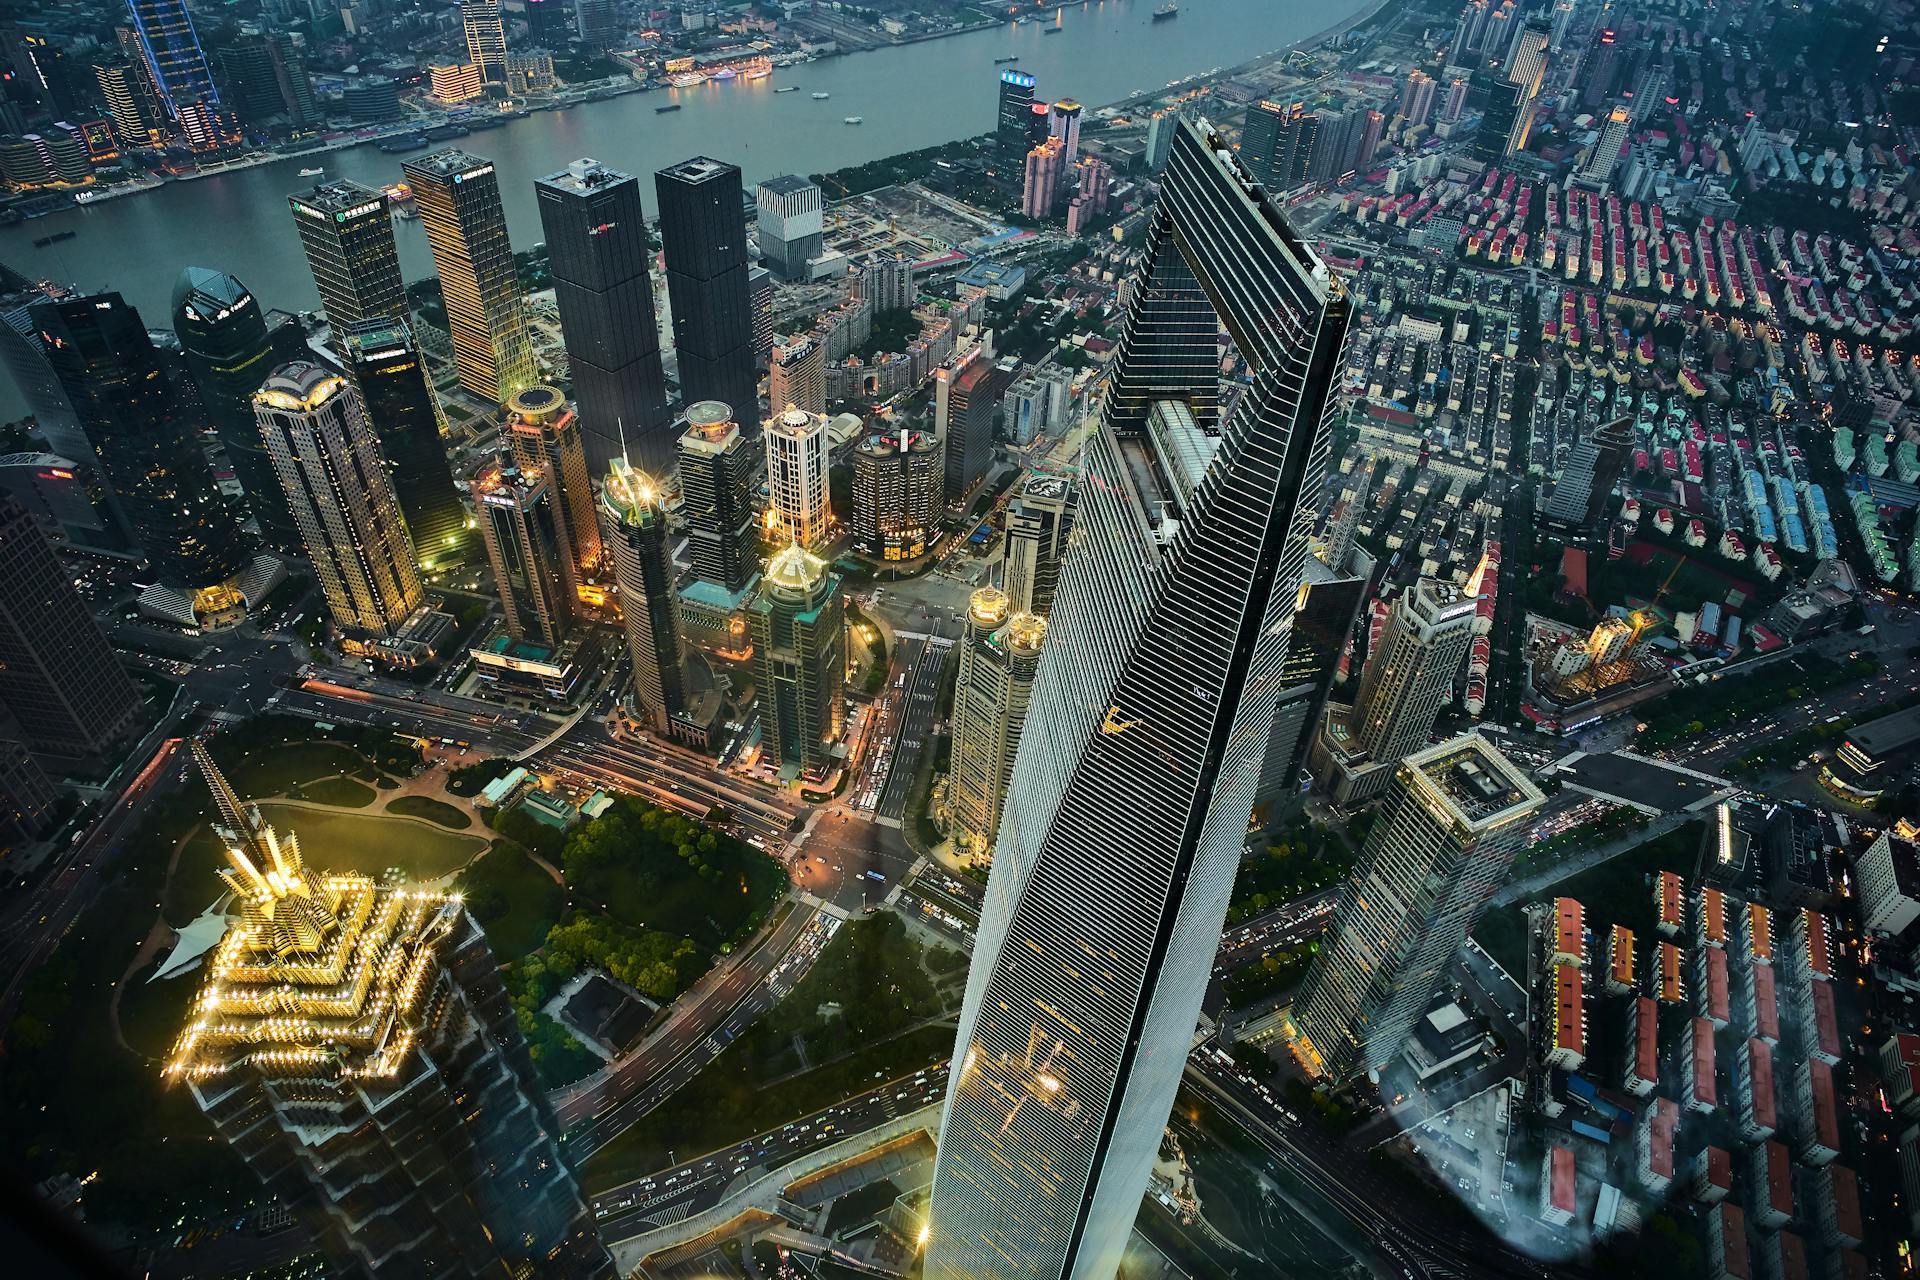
237 824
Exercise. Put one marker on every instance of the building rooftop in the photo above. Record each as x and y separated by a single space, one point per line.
1779 1170
1473 783
1826 1115
1561 1187
1717 994
1880 738
340 197
584 176
1825 1037
1668 957
1662 1118
787 184
698 169
1704 1087
1620 955
1758 1082
1766 1001
452 163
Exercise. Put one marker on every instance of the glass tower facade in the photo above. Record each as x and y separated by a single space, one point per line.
172 50
347 234
703 226
458 198
527 546
1149 719
636 533
597 257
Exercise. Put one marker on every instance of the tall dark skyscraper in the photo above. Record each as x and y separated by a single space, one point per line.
385 368
113 375
457 196
704 230
597 258
1016 109
60 681
348 237
526 541
391 1105
1582 493
636 535
965 401
1279 142
230 353
1149 719
1329 604
716 488
1499 100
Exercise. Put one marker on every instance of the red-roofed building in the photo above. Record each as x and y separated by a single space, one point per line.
1573 567
1760 1003
1727 1244
1667 974
1643 1047
1569 932
1819 1021
1710 918
1712 1175
1653 1144
1557 1191
1758 937
1900 1068
1837 1192
1699 1090
1812 949
1620 960
1568 1048
1816 1113
1770 1186
1783 1257
1666 901
1758 1099
1712 988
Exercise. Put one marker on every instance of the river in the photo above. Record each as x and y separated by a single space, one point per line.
911 96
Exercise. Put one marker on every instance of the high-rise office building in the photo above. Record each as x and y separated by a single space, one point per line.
268 73
716 491
966 398
1323 619
386 370
549 23
704 231
353 1043
1403 686
486 37
797 456
797 377
1526 67
1063 122
597 258
458 199
1597 167
1649 89
999 656
1416 99
1468 36
174 58
642 558
1601 68
1128 808
137 119
1581 494
114 377
1438 850
229 353
1039 520
61 683
347 234
1040 183
1015 108
545 435
1374 126
898 480
798 624
521 523
27 798
1499 101
328 461
760 313
792 217
1159 139
596 22
1277 146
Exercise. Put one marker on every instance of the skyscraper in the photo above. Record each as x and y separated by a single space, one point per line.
458 199
965 401
1416 99
1499 101
268 76
797 377
1526 67
716 477
100 351
136 115
798 624
1063 122
1278 144
897 485
486 37
792 217
545 434
1437 851
1323 619
999 655
173 55
328 461
1015 107
636 532
1041 181
887 281
1039 518
348 237
797 454
526 541
1601 68
705 235
229 353
1598 165
1581 494
388 375
1130 797
353 1043
597 258
1403 685
61 684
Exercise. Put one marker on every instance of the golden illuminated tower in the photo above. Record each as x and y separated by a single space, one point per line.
353 1043
546 437
458 199
999 656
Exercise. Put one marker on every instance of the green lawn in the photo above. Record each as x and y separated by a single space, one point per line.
152 1013
276 769
432 810
343 793
329 842
513 898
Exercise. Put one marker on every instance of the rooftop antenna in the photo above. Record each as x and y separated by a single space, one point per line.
620 425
